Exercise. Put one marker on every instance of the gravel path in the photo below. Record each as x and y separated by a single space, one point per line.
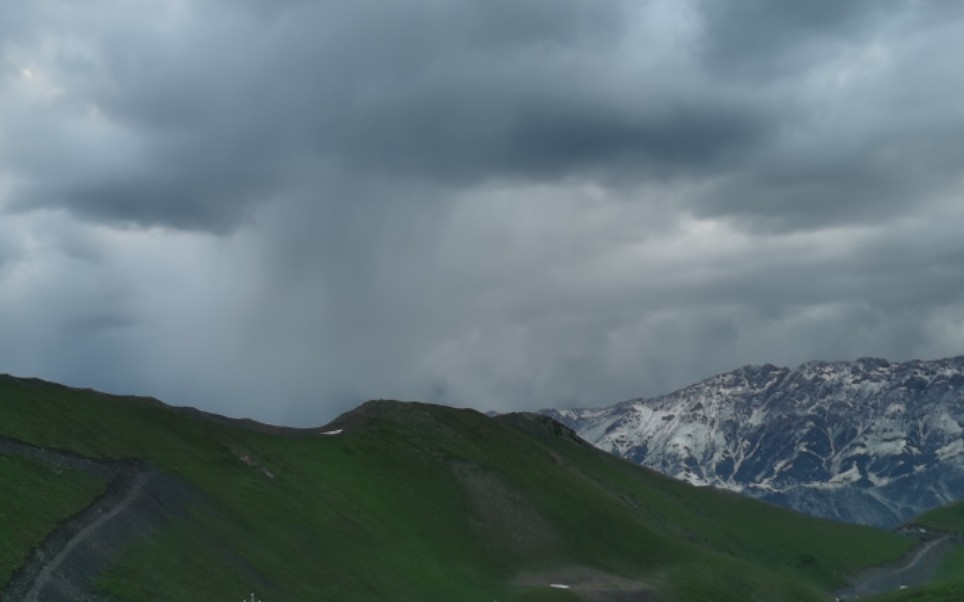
917 567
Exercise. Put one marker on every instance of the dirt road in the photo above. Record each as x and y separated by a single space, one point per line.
917 567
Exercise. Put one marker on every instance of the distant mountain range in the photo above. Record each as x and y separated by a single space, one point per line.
867 441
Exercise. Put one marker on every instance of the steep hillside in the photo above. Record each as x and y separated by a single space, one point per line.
869 441
398 501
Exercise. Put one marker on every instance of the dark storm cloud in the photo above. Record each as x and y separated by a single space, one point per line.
286 208
867 129
202 113
754 38
205 111
191 117
683 137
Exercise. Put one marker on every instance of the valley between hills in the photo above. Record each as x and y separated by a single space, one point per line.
124 498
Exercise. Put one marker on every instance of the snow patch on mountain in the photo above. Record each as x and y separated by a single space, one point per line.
868 441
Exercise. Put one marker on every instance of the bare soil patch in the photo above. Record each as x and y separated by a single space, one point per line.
592 585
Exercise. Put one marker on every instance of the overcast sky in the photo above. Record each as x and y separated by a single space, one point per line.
280 209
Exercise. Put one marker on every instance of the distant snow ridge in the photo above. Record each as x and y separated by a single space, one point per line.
868 441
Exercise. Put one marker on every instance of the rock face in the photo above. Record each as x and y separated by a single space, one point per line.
868 441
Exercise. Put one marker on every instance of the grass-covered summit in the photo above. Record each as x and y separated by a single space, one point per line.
407 501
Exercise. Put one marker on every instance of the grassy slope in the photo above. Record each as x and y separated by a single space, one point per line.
33 499
417 502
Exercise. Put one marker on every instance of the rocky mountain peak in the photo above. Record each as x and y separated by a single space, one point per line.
868 441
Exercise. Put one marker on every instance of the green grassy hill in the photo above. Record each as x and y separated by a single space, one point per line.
410 502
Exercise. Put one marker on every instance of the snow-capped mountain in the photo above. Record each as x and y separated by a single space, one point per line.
868 441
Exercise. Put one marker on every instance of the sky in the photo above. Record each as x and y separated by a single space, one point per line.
282 208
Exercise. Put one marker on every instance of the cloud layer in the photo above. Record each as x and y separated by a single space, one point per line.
281 209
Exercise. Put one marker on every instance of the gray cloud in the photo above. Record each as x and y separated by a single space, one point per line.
867 132
282 209
186 119
189 120
756 38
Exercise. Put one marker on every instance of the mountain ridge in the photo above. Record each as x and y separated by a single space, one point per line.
867 441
